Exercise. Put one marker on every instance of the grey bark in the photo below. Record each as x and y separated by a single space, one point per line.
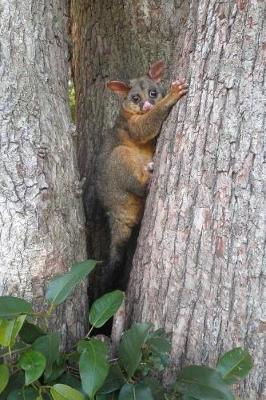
41 218
198 270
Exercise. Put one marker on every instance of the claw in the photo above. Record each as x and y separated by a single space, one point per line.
150 166
179 87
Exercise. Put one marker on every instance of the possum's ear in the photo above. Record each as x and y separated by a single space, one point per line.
156 70
119 87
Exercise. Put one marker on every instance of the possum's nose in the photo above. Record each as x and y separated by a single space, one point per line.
147 106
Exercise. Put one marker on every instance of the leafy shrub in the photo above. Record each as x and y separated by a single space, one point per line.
34 368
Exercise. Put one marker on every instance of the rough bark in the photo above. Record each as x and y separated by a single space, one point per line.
198 267
42 223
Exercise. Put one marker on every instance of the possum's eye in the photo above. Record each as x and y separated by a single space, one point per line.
135 98
153 93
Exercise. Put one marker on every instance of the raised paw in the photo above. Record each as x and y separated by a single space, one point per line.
150 167
179 88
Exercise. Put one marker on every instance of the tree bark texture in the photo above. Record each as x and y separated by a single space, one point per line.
42 222
198 270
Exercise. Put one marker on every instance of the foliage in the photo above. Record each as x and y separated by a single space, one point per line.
32 366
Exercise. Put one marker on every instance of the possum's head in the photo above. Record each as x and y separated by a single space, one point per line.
140 94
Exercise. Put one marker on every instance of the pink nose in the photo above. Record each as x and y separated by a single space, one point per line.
147 106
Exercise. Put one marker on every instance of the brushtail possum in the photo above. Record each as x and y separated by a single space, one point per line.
125 163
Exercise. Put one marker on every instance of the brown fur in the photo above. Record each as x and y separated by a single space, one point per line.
123 173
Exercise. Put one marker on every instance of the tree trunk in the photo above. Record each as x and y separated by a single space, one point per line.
198 267
42 223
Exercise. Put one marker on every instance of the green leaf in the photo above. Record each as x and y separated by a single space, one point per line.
56 372
16 381
11 307
129 352
234 365
157 389
9 330
70 380
82 345
202 383
30 332
33 363
6 329
114 381
64 392
4 377
48 345
135 392
93 366
159 344
23 394
60 287
110 396
105 307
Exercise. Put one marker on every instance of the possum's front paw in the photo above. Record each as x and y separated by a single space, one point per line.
179 88
150 167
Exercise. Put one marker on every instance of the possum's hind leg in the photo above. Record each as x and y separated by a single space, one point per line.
120 234
122 219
